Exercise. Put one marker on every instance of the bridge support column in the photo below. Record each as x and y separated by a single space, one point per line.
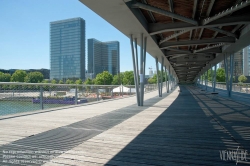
162 62
141 73
214 78
144 64
229 72
134 59
201 81
139 90
168 79
171 78
206 79
158 81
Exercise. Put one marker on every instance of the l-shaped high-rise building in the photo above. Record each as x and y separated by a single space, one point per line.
103 56
67 49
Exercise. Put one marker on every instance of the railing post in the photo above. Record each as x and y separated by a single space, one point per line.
112 93
122 90
97 94
41 97
76 95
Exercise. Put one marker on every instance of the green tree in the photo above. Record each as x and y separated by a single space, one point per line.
104 78
153 80
46 88
116 80
60 82
79 81
5 77
88 82
53 81
68 81
220 75
34 77
18 76
45 81
242 78
128 78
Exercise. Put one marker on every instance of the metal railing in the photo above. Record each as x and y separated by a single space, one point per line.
236 87
23 97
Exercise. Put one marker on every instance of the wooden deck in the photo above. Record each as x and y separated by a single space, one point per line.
181 128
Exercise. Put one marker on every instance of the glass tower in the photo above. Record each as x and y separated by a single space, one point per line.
103 56
67 49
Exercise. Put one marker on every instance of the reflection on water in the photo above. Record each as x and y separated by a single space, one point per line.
12 107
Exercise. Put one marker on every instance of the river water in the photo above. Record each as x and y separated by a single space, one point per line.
12 107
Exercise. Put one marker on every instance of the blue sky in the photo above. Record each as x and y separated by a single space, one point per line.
24 32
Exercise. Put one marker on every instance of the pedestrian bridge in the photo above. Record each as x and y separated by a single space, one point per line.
184 127
186 37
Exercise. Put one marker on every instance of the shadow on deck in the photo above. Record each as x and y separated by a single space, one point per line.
193 130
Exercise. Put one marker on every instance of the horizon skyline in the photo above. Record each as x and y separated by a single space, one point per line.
28 45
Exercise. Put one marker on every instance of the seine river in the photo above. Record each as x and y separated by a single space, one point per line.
12 107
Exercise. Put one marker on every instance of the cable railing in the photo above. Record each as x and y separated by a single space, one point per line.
22 97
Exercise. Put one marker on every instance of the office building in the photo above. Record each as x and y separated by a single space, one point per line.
67 49
103 56
246 64
238 63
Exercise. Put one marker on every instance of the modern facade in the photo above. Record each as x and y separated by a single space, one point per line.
238 63
67 49
246 63
103 56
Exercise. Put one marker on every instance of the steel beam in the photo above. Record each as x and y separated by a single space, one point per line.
173 36
226 12
177 56
193 16
164 12
209 47
198 42
224 32
156 28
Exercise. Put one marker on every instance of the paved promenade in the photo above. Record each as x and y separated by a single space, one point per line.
182 128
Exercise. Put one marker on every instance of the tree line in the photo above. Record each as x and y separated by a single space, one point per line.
221 76
104 78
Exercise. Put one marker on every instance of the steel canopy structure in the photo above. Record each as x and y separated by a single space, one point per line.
186 37
198 32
